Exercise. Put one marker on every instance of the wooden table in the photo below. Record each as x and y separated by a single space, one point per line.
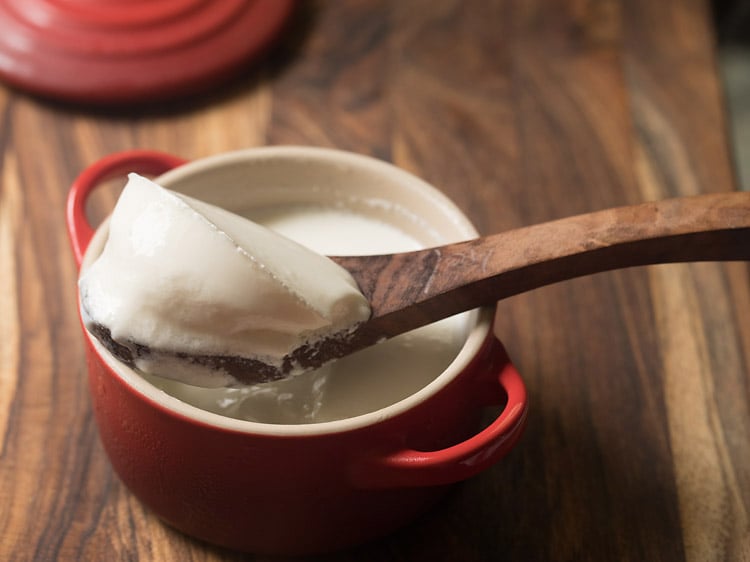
638 445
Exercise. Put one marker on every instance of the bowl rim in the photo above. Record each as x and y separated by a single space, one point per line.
479 330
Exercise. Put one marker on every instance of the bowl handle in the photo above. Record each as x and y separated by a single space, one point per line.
147 162
412 468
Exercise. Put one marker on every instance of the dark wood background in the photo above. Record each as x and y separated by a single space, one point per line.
638 445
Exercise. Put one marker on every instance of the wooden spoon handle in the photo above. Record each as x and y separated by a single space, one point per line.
443 281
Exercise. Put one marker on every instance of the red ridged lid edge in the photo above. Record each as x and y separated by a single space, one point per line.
119 51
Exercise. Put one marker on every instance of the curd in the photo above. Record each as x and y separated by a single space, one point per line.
366 381
183 276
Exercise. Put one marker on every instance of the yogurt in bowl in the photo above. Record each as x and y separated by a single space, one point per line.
364 382
355 452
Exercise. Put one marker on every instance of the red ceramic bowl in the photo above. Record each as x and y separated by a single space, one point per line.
301 488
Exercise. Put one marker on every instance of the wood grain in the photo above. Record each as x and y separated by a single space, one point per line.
409 290
638 444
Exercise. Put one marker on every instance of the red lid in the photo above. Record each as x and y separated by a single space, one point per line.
116 51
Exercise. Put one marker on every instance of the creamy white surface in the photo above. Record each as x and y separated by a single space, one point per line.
366 381
181 275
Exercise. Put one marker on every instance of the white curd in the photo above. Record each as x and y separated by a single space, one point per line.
363 382
183 276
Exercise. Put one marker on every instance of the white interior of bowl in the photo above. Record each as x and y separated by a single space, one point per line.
273 175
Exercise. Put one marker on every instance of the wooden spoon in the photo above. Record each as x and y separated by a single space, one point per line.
412 289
